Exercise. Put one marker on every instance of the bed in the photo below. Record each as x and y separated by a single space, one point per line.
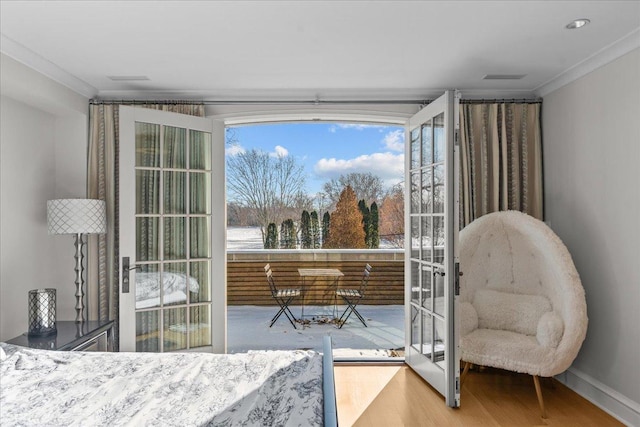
258 388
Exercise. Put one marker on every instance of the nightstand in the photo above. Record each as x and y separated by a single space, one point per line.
92 335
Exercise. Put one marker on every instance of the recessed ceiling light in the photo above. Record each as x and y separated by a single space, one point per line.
127 78
503 76
578 23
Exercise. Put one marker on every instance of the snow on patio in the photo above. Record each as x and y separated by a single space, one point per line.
248 326
248 329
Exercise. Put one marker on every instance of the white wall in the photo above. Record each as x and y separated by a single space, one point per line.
43 136
591 131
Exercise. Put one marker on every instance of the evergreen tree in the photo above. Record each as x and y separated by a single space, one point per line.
271 241
292 234
326 226
283 235
346 223
366 222
305 230
374 227
315 231
287 234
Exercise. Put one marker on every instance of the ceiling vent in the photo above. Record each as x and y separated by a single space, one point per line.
128 78
503 76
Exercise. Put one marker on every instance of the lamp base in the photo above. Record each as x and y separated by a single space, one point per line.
79 269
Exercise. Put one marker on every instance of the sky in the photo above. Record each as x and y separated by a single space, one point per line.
328 150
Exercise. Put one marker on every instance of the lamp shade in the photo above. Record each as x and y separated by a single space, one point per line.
76 216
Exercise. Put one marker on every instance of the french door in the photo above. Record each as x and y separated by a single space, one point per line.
172 232
431 260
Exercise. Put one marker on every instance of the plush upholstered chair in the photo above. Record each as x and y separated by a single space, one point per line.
522 305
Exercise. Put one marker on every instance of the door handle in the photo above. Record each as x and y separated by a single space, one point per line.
126 268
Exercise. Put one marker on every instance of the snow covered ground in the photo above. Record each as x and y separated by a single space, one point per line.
244 238
248 329
251 238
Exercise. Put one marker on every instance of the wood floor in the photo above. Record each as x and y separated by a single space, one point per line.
389 396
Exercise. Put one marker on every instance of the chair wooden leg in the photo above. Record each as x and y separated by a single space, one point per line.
536 383
465 371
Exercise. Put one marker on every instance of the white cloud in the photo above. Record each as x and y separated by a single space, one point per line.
388 166
356 126
234 150
394 140
280 151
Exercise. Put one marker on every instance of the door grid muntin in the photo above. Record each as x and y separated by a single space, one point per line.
174 222
427 220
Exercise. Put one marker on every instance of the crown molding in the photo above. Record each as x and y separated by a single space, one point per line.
497 94
604 56
15 50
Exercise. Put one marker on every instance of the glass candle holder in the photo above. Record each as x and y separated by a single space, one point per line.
42 312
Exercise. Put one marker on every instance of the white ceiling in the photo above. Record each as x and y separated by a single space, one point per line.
308 49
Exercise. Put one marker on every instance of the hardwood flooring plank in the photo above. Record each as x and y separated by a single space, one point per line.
371 396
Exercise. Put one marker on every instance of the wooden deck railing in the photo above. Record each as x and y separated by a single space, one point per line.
247 285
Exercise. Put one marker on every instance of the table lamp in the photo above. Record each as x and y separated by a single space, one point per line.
77 217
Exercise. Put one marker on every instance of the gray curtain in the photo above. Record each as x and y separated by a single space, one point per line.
501 159
102 183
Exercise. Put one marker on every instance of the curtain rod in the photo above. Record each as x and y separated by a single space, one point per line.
308 102
502 101
259 102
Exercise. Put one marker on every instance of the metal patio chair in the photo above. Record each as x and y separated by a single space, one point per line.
282 296
352 297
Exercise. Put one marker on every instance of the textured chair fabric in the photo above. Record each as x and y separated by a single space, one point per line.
522 303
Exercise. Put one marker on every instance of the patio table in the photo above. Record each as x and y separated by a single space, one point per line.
319 272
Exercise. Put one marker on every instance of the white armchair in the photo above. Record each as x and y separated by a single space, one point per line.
522 305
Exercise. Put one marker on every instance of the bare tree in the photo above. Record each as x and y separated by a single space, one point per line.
269 185
367 187
300 202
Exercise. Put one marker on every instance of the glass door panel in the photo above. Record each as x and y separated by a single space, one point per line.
415 328
175 186
148 181
426 280
200 286
147 333
431 348
415 282
148 239
174 154
168 146
200 325
175 329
